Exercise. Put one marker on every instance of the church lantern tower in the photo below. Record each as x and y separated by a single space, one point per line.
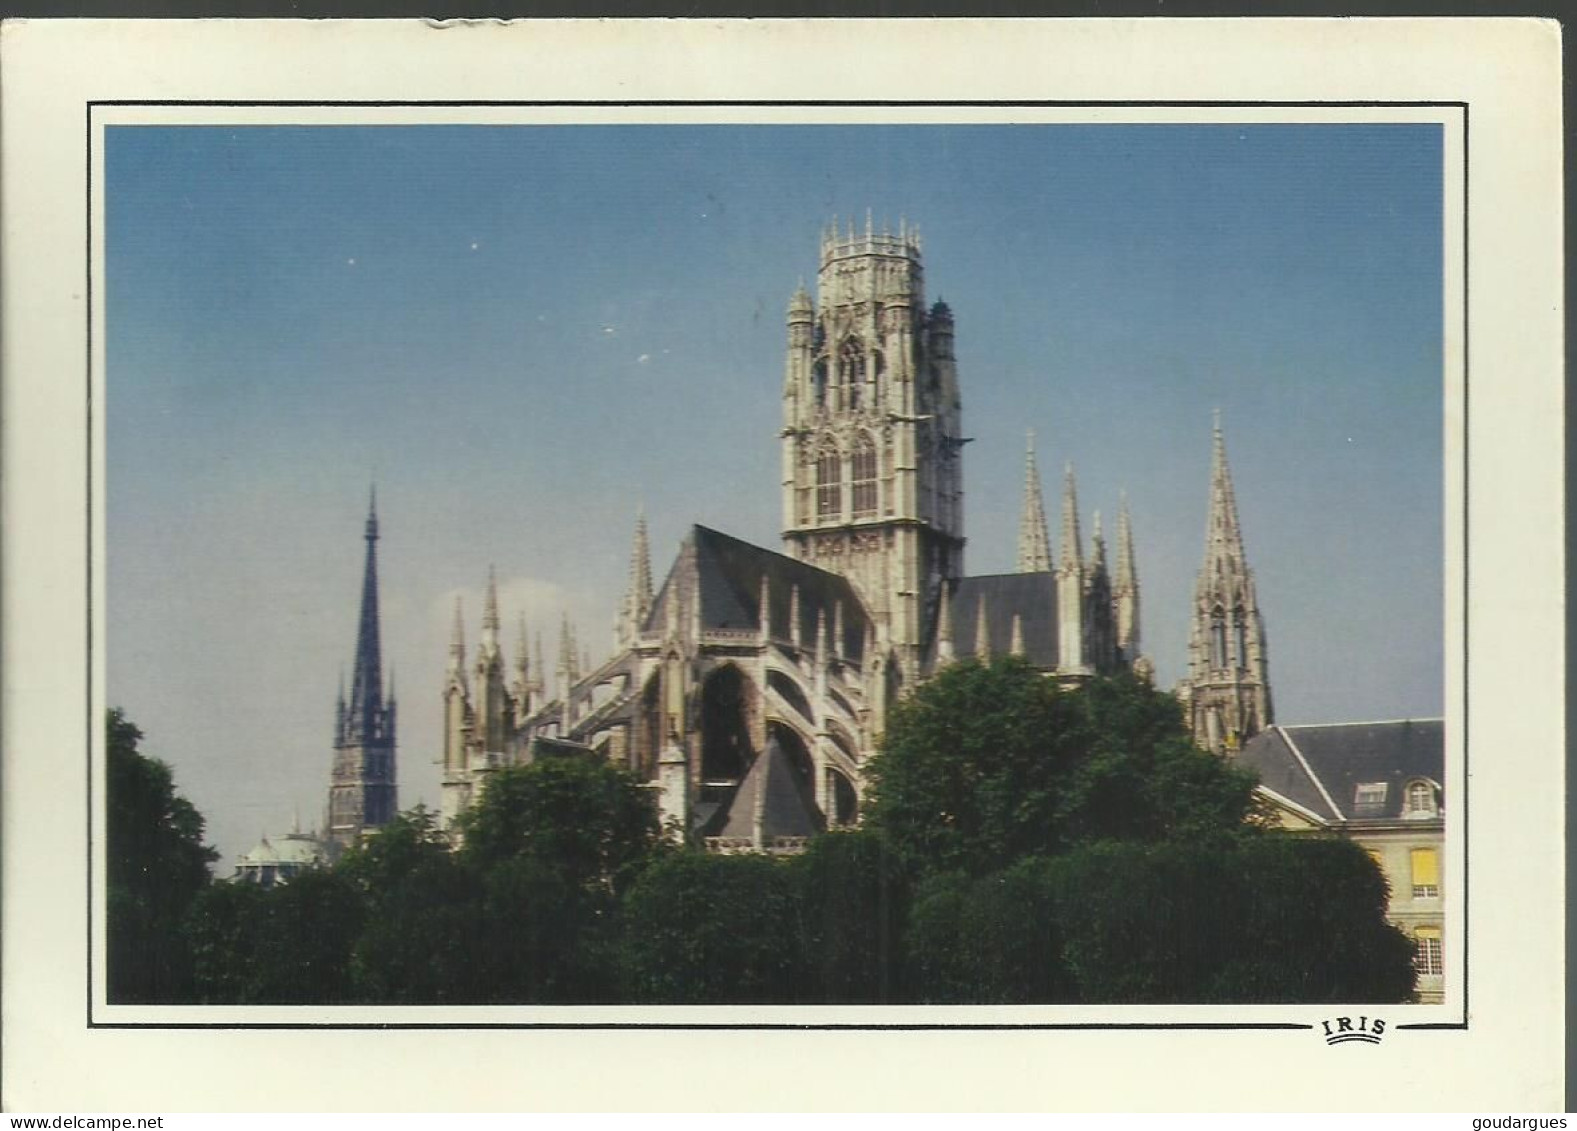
1227 690
363 794
872 434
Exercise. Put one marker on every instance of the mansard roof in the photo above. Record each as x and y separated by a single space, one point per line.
1032 596
727 575
772 789
1320 768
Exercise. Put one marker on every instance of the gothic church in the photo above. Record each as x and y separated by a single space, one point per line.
751 687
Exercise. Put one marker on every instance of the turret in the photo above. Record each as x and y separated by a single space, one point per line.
1227 689
1125 593
638 596
1034 544
1070 586
493 712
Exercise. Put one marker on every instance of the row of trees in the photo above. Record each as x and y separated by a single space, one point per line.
1024 844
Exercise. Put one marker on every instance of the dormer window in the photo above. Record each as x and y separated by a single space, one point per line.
1369 797
1420 798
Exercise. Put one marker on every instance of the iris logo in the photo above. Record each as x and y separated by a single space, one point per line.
1340 1030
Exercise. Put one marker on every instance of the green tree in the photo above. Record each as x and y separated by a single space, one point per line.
988 764
1265 919
288 945
993 939
853 897
1228 920
589 822
225 931
157 865
713 930
421 940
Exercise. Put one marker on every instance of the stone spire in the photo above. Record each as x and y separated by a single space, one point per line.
1071 608
638 597
490 622
457 643
522 688
1125 594
1071 546
1227 689
362 791
1034 544
1223 536
1100 633
366 693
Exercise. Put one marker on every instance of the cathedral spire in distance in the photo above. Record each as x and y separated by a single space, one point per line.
366 694
362 790
1034 543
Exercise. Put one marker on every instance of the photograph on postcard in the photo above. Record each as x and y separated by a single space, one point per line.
993 560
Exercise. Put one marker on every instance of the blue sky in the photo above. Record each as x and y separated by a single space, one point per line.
525 333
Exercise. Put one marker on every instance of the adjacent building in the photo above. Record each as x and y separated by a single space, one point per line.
1380 784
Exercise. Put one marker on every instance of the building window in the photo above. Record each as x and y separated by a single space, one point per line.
1427 956
1369 796
818 381
829 486
1420 799
1426 873
1240 637
851 371
864 478
1218 640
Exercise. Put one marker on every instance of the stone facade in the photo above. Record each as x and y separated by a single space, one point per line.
744 652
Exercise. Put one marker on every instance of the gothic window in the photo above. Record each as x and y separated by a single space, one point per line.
1218 639
725 727
878 370
1240 637
845 802
864 478
851 371
829 485
818 381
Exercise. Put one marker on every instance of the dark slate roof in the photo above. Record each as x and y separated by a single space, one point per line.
1297 761
786 810
728 573
1033 596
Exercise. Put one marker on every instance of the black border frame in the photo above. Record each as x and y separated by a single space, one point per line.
95 725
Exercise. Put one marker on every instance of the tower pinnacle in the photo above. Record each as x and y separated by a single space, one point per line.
1072 554
1034 544
1227 688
